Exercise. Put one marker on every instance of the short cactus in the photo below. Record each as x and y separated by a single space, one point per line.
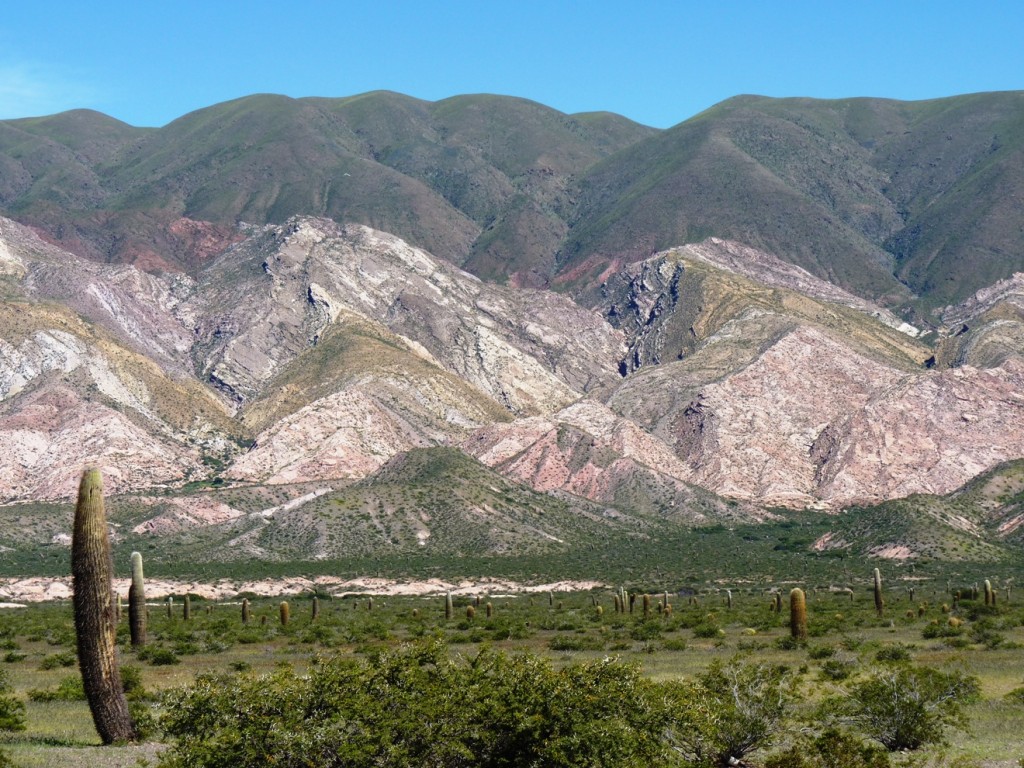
470 612
490 610
285 613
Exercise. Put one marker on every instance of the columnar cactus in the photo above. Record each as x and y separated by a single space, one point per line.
449 608
989 594
728 599
369 603
92 570
137 603
879 602
246 614
490 610
647 605
618 604
186 610
170 607
316 607
285 613
470 612
797 614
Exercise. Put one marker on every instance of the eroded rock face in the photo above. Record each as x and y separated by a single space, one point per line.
351 433
929 434
589 451
809 421
316 352
47 437
531 351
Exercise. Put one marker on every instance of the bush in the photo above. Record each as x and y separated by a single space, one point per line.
158 656
728 712
907 707
897 652
837 669
68 689
419 707
12 710
56 660
832 749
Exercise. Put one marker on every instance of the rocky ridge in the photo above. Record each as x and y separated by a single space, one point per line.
318 353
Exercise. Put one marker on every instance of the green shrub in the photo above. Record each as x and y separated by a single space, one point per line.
646 630
57 660
707 630
576 643
831 749
728 712
821 652
897 652
907 707
68 689
837 669
158 656
12 710
419 707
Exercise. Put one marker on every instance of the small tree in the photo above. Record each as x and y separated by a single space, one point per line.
907 707
729 711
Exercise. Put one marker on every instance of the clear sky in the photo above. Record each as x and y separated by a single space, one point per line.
149 61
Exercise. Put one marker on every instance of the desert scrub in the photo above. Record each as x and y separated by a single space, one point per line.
906 707
729 711
397 710
12 710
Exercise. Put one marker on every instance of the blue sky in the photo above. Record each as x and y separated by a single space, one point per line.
147 62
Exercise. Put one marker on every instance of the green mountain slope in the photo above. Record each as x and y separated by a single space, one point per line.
437 174
868 193
981 522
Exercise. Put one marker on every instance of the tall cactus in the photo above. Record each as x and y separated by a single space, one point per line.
797 614
879 602
285 613
186 609
989 594
137 603
92 570
316 608
449 607
245 610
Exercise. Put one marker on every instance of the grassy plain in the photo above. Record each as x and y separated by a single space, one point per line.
847 640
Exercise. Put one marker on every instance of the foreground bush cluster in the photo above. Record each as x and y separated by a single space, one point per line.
418 706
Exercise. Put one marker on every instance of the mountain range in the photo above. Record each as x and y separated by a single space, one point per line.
290 328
